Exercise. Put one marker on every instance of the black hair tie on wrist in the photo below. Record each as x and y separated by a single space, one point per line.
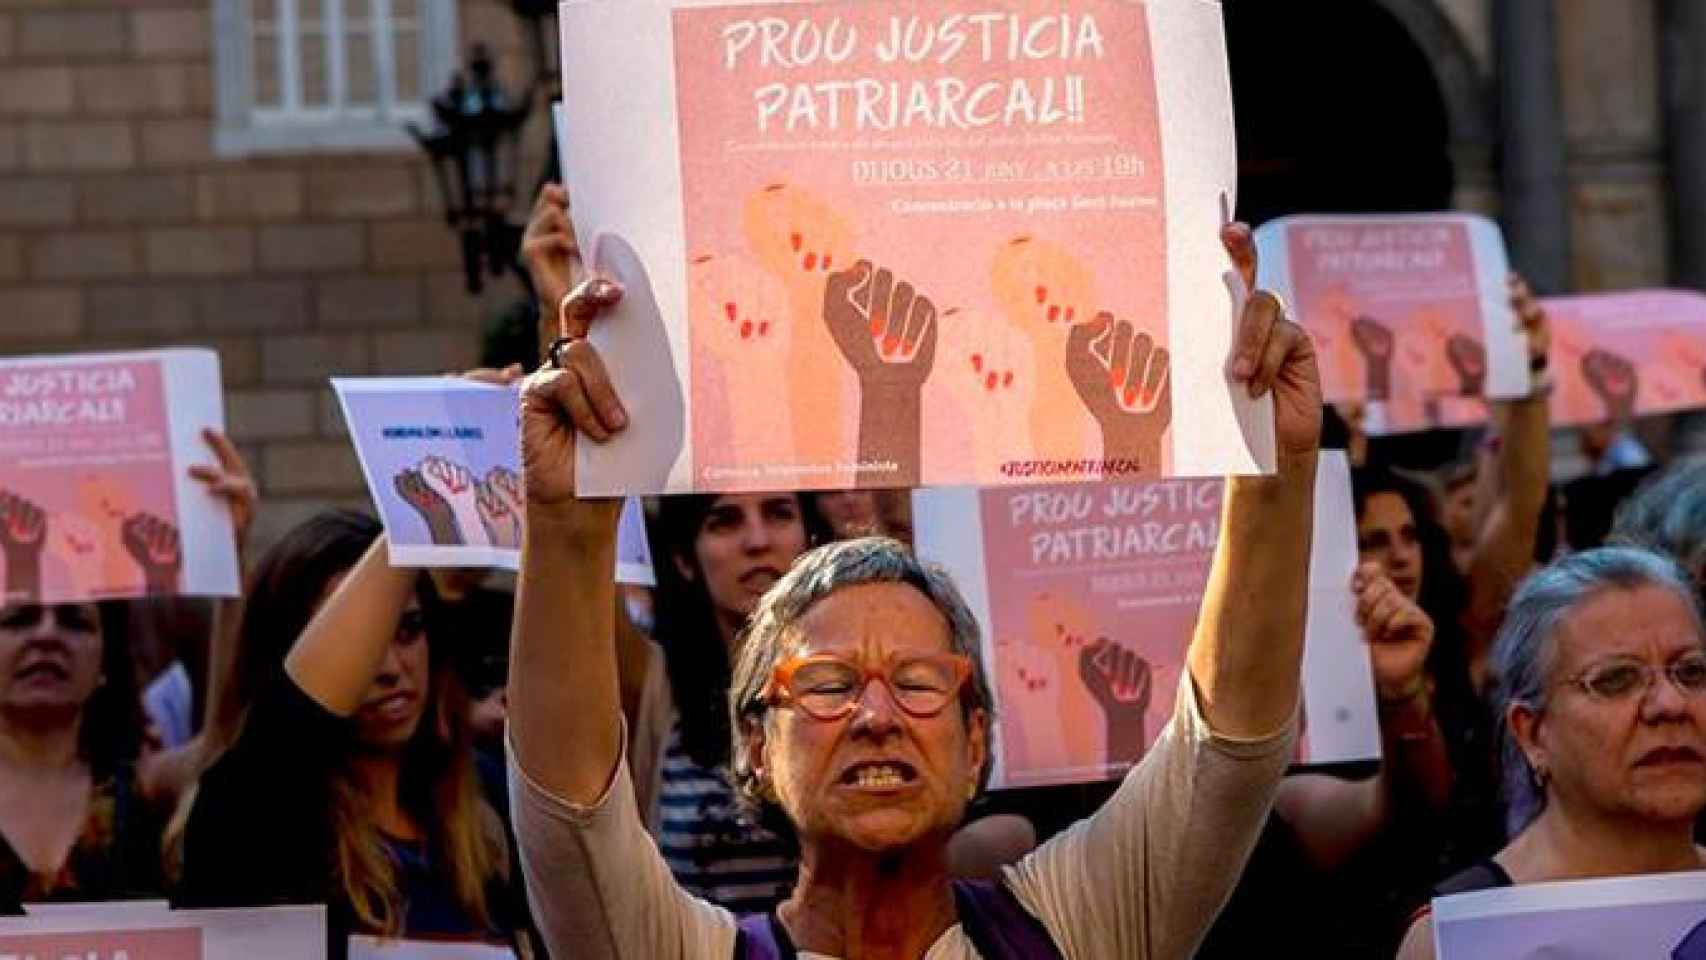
554 352
1537 364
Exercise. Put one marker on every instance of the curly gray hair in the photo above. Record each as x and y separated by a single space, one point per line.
1525 649
773 632
1668 514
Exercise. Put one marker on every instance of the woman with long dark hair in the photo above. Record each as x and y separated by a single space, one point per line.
351 780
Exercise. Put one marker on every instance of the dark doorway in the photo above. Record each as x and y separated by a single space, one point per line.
1338 111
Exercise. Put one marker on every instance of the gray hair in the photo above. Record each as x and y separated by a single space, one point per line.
773 631
1668 514
1525 650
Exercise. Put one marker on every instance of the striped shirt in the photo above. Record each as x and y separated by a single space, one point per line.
715 850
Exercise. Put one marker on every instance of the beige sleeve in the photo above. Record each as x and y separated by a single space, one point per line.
1146 875
598 886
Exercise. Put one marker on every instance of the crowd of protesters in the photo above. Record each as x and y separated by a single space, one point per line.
782 749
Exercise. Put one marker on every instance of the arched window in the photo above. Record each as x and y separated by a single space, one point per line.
304 75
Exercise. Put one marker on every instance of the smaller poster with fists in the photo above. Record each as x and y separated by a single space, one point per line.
442 460
1631 354
1088 596
95 499
1410 313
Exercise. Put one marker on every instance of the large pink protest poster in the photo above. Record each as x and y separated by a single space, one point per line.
888 203
892 245
1408 313
1088 597
91 478
166 943
1091 589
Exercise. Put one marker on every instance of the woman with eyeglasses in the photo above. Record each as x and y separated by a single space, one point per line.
346 771
860 714
1600 673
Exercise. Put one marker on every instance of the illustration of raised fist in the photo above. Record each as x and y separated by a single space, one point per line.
79 544
1468 359
501 521
23 534
1614 380
455 484
434 510
1121 682
1374 340
503 482
155 546
885 328
1121 376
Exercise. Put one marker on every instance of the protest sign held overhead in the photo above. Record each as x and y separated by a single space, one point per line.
1409 312
1088 597
866 245
442 462
95 499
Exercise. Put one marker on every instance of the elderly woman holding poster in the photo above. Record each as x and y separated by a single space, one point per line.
861 718
1601 670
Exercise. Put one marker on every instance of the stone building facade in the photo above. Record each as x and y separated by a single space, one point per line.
124 222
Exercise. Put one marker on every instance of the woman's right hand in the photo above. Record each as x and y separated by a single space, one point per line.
550 252
557 403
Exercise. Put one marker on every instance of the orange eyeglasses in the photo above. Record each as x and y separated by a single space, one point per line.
829 687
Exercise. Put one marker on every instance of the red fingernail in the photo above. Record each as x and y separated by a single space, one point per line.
811 261
826 261
1068 314
989 381
746 329
1042 294
729 311
1130 395
890 345
977 362
794 240
764 328
877 326
1053 312
1007 381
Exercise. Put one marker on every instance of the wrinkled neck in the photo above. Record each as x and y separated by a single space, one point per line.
1570 845
858 905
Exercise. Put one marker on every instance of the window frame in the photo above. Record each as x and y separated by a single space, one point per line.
241 129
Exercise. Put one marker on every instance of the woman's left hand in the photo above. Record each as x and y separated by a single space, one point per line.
232 482
1270 352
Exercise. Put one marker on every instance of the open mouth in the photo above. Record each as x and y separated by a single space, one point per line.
879 775
395 706
1664 756
43 670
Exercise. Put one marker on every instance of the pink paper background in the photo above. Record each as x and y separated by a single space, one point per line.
1044 614
1661 334
179 943
769 385
1422 306
89 478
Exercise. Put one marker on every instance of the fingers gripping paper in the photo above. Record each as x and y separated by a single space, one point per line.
863 245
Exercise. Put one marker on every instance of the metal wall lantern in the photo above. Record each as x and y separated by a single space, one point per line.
475 149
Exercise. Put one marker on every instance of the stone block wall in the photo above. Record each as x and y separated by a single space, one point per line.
120 229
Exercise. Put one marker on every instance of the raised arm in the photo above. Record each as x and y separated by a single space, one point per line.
1504 546
1246 657
344 646
1158 861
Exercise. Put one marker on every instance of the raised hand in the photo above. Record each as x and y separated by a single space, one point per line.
1399 634
887 332
1270 352
23 534
1614 380
231 481
154 544
501 521
1532 320
455 484
1374 340
1468 359
551 255
1120 682
434 511
1043 289
742 343
559 404
1122 378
